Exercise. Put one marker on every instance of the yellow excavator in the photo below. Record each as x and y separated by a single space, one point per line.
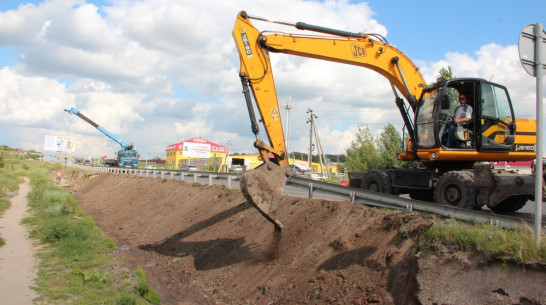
459 174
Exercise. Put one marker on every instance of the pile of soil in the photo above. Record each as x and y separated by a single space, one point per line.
205 245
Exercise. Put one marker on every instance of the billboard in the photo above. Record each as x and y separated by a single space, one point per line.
58 143
196 150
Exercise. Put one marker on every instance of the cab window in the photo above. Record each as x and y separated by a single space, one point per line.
496 113
424 123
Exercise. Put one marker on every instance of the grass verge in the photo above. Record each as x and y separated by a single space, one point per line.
76 265
516 245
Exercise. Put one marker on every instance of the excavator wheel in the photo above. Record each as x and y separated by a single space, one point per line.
456 188
377 181
262 188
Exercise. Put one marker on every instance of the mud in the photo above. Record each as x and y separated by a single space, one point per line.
206 245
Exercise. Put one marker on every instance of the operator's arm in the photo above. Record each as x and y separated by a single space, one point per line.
462 116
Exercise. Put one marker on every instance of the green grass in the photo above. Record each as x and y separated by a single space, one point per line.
143 288
516 245
76 262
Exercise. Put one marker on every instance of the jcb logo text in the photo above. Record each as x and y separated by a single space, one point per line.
358 51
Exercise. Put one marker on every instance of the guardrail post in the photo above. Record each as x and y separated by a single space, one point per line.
162 174
229 181
181 176
310 190
210 179
194 177
352 197
172 175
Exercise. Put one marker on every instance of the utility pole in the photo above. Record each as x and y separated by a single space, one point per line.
312 121
287 106
224 164
320 153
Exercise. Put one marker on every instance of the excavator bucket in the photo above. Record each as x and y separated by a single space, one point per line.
262 188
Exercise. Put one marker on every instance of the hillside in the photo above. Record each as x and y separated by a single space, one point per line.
205 245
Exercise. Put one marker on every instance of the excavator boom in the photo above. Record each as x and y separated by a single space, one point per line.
262 187
452 175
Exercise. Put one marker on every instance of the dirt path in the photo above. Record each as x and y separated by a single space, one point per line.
17 262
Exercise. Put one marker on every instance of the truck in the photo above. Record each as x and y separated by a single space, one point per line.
460 175
126 157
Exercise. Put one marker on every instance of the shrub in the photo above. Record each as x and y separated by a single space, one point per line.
62 229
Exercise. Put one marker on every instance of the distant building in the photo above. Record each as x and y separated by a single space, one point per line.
247 162
251 161
196 151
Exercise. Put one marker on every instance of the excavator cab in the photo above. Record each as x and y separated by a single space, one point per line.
491 129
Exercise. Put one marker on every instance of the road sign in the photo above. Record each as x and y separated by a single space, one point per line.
527 49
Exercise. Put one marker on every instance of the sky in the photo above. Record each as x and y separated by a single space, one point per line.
157 72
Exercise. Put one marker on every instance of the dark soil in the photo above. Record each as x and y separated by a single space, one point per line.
205 245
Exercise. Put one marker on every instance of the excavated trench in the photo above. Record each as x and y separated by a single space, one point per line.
206 245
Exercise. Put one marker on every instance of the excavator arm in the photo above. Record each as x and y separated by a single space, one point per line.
262 186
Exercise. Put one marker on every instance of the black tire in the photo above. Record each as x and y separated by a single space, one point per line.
456 188
423 195
510 204
377 181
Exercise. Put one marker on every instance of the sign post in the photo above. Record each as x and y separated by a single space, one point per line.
532 53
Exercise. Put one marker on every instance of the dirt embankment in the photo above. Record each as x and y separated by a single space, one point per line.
205 245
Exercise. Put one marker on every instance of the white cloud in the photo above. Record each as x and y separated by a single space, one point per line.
31 100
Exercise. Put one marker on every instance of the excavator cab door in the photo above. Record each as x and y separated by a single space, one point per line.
497 123
435 113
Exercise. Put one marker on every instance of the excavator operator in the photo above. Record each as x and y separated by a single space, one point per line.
463 114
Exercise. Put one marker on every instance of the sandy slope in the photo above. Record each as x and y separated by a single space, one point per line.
205 245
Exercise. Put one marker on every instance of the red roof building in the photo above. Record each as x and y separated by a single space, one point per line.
198 151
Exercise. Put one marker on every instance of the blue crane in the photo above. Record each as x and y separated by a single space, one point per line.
127 157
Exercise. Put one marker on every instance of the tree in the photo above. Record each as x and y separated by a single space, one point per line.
389 143
362 155
2 163
445 74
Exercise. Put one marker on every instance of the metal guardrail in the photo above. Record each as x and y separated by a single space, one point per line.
397 202
352 195
164 173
